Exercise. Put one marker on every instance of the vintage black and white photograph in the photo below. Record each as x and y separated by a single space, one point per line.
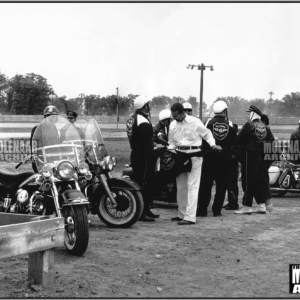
149 150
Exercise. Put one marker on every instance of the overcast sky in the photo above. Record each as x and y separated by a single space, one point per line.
145 48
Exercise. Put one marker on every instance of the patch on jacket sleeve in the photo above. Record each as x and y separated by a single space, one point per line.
260 130
220 131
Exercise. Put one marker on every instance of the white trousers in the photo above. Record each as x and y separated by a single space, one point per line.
187 191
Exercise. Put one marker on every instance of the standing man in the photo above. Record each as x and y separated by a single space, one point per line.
216 165
140 135
161 130
185 134
72 116
188 108
48 132
233 188
251 138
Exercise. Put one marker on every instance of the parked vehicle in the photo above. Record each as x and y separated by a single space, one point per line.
284 178
53 188
116 201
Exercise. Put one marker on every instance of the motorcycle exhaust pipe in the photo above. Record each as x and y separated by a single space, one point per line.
285 190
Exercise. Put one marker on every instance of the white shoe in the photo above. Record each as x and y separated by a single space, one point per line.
260 209
269 207
246 210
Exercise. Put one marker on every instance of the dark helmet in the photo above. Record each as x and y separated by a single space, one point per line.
50 110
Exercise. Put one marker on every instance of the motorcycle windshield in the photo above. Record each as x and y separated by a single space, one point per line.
94 142
57 139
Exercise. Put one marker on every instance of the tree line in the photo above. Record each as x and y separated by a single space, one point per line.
29 94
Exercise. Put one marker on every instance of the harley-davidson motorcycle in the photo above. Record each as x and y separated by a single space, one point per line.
284 177
53 189
116 201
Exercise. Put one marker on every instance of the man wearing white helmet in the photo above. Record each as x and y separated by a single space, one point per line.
188 108
140 134
216 166
161 130
52 132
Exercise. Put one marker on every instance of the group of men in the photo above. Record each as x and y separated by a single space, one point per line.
214 149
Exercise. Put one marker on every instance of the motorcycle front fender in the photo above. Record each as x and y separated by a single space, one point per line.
74 197
120 183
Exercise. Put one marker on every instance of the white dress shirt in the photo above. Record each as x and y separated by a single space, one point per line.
189 132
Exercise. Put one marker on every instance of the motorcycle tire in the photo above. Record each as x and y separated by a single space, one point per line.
129 208
278 194
76 229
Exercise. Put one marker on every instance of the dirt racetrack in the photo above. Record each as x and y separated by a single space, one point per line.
229 256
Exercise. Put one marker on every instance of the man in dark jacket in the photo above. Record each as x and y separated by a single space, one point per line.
216 165
140 135
251 140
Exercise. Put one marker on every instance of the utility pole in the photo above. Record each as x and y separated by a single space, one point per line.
82 104
117 102
271 94
201 67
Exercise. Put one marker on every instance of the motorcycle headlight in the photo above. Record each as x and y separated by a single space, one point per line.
107 163
47 171
83 168
65 169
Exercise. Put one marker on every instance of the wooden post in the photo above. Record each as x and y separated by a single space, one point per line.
41 267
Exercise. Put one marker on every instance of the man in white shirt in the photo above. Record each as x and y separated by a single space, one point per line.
185 134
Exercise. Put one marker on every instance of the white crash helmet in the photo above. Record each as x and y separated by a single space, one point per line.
187 105
140 101
165 114
219 107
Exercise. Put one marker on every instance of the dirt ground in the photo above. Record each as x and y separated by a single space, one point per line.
224 257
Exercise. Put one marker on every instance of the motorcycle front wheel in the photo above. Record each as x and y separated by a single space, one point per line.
127 212
76 229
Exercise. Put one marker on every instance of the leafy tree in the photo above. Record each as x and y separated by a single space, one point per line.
259 103
3 90
291 104
28 94
159 103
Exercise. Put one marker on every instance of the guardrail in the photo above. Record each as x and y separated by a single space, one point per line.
36 236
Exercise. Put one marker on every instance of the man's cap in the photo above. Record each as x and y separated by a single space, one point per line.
253 108
72 114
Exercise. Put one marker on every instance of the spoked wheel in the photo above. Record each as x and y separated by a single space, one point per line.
127 212
76 229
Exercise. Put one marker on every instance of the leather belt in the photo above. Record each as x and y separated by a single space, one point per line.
188 147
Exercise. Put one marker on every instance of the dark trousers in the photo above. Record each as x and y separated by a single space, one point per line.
233 188
252 178
143 172
217 170
266 179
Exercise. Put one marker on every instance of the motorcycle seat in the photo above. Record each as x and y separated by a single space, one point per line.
10 177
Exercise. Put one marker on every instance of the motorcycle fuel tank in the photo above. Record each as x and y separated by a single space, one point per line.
274 173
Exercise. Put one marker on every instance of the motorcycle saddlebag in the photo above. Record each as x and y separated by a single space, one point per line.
274 173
